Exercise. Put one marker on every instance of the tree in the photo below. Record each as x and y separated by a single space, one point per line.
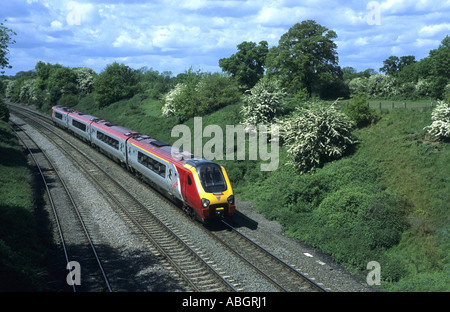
247 65
5 40
440 63
115 83
393 65
305 57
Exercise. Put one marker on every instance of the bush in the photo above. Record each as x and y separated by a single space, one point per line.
316 135
199 95
440 126
4 111
358 110
263 103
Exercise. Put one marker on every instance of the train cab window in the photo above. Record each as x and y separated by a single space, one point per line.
189 180
58 115
212 178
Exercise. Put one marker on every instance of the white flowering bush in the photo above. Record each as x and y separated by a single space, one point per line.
262 103
316 135
440 116
28 92
85 79
168 109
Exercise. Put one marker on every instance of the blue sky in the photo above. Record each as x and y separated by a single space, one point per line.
174 35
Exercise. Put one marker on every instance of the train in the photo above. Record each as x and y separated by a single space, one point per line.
201 186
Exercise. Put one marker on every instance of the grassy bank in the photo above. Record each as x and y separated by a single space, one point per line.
23 246
386 202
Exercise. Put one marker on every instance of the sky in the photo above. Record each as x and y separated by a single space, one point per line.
170 35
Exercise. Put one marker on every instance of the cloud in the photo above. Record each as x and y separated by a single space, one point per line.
174 35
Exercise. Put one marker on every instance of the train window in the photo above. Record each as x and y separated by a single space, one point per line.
58 115
108 140
79 125
152 164
212 178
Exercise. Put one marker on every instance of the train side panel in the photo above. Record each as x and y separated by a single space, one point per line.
111 144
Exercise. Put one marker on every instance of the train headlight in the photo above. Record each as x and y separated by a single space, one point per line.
205 203
230 199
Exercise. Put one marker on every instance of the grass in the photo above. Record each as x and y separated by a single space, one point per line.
22 246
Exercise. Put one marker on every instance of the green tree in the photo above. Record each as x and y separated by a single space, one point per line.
305 57
5 40
115 83
61 81
439 71
247 65
393 65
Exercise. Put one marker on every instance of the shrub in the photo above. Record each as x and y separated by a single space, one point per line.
358 110
262 104
440 126
316 135
4 111
200 95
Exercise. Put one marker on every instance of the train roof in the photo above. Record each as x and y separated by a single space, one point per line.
158 148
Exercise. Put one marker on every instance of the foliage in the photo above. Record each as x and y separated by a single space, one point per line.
393 64
247 65
263 103
5 40
116 82
316 135
440 116
200 94
305 57
358 110
85 79
4 111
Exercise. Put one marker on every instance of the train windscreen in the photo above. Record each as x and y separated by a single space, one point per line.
212 178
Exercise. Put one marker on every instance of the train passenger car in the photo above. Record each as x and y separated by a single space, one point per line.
110 139
59 116
80 124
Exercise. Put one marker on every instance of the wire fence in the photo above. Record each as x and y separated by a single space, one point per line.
386 105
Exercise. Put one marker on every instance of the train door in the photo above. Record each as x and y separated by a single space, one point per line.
173 181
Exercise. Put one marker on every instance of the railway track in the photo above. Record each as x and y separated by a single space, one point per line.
278 273
196 271
282 275
71 234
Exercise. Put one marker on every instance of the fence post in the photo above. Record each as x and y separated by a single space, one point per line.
392 105
380 106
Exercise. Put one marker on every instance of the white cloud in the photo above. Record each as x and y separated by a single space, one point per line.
433 30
